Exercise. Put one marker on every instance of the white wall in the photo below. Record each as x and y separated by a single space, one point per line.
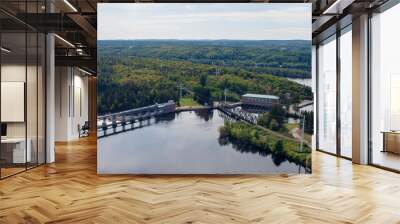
62 82
71 102
33 125
16 73
12 73
81 104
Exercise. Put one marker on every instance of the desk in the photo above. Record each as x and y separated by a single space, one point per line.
391 141
13 150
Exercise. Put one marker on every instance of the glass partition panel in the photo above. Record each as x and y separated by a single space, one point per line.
2 161
41 98
22 77
346 93
385 89
14 153
327 95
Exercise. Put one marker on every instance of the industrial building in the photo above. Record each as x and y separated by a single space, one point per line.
259 100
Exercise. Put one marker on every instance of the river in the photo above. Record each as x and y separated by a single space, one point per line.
183 143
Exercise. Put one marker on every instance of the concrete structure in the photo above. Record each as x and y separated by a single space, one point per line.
115 123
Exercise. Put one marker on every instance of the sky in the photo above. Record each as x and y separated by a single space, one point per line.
244 21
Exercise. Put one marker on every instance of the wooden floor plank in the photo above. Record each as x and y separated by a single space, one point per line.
70 191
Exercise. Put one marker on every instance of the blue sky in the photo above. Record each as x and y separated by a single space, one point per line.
247 21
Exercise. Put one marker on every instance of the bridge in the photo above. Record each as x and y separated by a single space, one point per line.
115 123
111 124
238 114
230 105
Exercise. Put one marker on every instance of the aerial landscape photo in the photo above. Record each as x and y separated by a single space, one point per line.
204 89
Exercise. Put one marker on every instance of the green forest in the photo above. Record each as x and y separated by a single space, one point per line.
154 71
246 137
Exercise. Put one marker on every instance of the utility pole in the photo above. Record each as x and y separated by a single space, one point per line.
180 92
302 133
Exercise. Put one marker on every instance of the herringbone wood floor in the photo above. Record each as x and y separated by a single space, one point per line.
70 191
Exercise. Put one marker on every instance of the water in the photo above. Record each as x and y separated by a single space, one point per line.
184 143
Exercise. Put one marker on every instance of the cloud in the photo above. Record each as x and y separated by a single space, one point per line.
216 21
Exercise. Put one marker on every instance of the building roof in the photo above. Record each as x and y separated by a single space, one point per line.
261 96
305 103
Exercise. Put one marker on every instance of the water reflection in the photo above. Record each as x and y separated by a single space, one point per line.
165 118
206 115
185 142
277 158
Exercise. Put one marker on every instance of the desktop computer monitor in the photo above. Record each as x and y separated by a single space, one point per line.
3 130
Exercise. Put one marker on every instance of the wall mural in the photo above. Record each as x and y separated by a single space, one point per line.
204 88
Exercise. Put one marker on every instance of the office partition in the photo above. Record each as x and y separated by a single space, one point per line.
22 77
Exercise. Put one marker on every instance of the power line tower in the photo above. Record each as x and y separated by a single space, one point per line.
180 87
225 95
218 68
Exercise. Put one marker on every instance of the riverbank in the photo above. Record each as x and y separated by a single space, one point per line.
193 108
247 136
186 143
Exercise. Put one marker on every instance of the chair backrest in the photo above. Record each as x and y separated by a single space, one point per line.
86 125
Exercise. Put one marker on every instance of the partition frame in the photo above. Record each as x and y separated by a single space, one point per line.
387 5
318 95
44 94
339 32
381 9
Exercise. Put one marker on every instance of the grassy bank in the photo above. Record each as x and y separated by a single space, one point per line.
188 102
246 136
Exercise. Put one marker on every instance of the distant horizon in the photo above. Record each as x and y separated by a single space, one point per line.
204 21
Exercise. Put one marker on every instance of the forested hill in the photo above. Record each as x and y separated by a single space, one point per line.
142 72
284 58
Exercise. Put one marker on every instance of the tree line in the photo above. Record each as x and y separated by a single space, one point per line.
151 78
